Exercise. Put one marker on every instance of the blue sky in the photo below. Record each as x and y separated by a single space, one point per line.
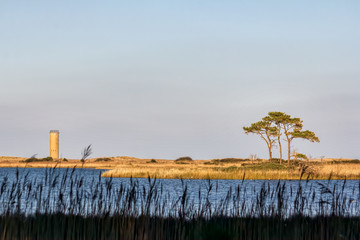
164 79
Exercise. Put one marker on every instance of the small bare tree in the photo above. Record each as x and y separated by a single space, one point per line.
253 157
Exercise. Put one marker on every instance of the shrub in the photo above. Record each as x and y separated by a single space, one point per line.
47 159
103 160
183 160
345 161
301 156
34 159
230 160
65 160
212 162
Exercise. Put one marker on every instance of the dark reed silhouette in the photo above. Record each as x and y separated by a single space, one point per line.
58 206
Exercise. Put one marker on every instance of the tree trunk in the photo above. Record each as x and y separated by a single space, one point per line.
289 152
270 153
269 147
280 149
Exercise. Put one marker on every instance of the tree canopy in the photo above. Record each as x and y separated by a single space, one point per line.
276 124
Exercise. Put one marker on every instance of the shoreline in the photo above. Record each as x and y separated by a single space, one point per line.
225 169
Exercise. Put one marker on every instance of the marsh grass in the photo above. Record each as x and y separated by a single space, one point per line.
235 168
268 166
202 169
60 206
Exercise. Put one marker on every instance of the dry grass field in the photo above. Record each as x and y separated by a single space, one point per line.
229 168
98 163
238 169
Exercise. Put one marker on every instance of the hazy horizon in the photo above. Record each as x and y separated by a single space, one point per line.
165 80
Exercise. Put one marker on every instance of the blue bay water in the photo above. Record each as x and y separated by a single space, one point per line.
39 190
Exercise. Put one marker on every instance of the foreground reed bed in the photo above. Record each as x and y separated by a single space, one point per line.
66 205
61 226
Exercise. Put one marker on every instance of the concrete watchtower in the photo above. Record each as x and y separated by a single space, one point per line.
54 144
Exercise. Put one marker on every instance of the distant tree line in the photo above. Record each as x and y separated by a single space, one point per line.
277 124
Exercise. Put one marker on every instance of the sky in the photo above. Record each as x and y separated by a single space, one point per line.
165 79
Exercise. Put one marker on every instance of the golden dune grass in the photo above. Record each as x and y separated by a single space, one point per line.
349 170
251 170
203 169
197 174
89 163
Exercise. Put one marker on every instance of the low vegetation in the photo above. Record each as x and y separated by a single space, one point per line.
229 160
34 159
227 168
184 160
105 159
237 168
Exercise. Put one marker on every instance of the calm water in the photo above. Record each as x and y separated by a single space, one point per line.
38 188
